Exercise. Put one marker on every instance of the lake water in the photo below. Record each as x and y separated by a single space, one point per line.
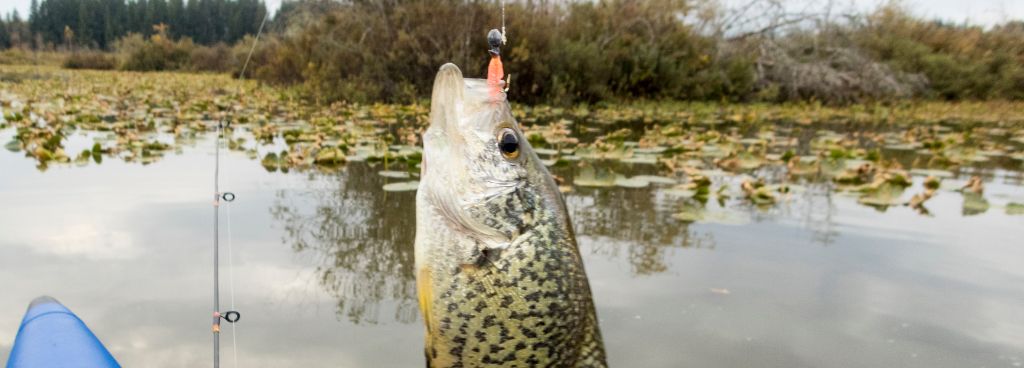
321 268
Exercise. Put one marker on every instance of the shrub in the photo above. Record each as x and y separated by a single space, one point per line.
960 61
154 54
216 58
557 52
90 60
20 56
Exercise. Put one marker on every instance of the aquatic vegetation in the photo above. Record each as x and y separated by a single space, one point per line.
700 214
403 186
974 204
1014 208
737 155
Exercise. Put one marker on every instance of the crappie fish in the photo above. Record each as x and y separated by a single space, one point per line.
498 271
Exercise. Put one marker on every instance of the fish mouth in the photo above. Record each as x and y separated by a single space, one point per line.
455 98
448 93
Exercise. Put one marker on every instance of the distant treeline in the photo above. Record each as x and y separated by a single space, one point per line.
98 23
559 52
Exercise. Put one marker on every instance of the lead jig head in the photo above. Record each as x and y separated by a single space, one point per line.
494 41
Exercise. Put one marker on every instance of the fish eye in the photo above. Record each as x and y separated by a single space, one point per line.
508 143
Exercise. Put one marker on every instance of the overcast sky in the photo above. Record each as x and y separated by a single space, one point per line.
985 12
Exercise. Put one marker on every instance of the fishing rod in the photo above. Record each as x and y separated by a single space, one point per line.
229 316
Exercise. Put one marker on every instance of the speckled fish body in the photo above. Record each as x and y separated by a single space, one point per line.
499 274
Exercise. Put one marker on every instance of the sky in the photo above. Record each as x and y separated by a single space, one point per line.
984 12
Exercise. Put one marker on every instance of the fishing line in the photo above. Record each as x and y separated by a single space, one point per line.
504 34
254 42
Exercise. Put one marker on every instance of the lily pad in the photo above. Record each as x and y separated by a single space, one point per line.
13 146
641 159
941 174
589 177
654 179
650 150
883 196
404 186
904 146
330 156
680 192
714 173
1015 209
394 174
633 182
974 204
718 216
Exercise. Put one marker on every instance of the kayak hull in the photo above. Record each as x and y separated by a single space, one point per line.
52 336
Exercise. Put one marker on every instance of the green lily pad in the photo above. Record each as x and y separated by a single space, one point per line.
974 204
13 146
404 186
271 162
1015 209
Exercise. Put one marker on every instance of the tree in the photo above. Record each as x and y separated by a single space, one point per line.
84 27
33 15
5 37
69 37
176 18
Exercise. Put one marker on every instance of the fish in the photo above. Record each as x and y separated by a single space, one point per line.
499 276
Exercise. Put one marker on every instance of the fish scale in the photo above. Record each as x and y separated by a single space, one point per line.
500 278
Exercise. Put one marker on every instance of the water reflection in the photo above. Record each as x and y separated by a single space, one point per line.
817 212
637 222
361 236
